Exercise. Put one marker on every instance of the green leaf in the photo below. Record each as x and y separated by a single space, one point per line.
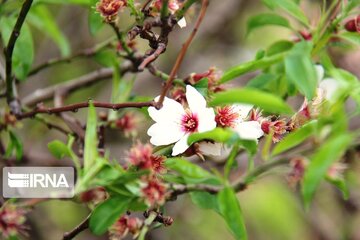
23 55
187 169
231 212
14 145
205 200
279 47
266 19
96 22
58 149
300 69
295 138
41 18
327 154
202 86
265 101
218 135
91 141
353 37
341 185
254 65
106 214
290 7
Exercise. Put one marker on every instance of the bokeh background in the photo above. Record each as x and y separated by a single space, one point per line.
272 209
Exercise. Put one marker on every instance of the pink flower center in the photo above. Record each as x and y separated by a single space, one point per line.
189 122
226 117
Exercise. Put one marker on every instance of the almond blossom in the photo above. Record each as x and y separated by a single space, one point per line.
236 118
174 123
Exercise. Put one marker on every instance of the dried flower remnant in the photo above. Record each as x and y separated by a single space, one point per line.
336 171
125 225
141 156
213 75
128 123
95 195
298 166
178 94
153 191
12 221
110 8
277 128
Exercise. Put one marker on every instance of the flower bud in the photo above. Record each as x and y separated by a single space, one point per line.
353 25
128 123
336 171
95 195
298 166
153 191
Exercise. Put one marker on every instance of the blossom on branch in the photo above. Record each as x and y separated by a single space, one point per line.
12 220
174 123
153 191
110 8
125 225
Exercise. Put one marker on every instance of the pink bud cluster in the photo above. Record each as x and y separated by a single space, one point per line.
110 8
125 225
12 221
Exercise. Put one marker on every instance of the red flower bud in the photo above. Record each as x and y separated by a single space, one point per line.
153 191
353 25
12 221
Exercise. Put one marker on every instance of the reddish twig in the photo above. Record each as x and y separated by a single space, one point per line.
76 106
152 57
181 55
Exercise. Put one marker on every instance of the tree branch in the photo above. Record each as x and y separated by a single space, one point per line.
72 85
76 106
11 93
181 55
78 229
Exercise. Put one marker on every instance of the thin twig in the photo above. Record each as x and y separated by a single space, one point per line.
76 106
238 185
78 229
10 83
72 85
89 52
145 5
181 55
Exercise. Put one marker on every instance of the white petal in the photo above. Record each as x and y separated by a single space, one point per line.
250 130
319 72
195 100
163 133
182 22
242 109
180 146
330 87
206 120
171 111
211 149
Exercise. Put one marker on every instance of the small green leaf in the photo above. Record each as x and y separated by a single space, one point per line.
187 169
58 149
295 138
300 69
266 19
254 65
205 200
202 86
96 22
341 185
14 145
265 101
218 135
279 47
328 153
42 19
91 141
290 7
231 212
105 214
